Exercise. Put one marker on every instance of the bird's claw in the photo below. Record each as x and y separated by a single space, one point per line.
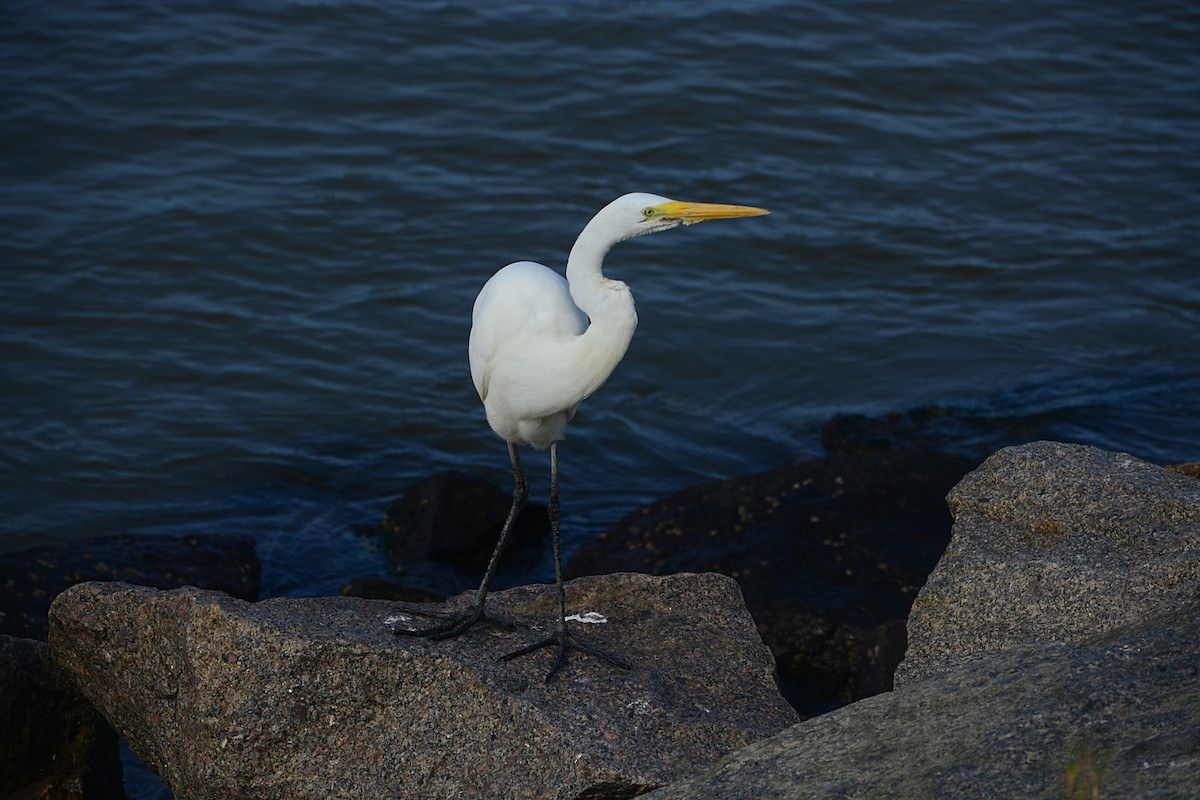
566 642
454 624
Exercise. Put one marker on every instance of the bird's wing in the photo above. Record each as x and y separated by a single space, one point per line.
522 304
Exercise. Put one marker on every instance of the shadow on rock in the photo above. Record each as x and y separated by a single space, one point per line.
53 743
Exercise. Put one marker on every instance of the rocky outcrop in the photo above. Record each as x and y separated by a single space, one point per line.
1055 652
31 579
53 743
318 697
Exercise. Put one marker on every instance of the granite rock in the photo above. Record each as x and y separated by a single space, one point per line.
1055 542
318 697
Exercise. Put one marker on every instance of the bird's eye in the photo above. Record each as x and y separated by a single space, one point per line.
648 212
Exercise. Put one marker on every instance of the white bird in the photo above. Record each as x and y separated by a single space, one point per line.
540 345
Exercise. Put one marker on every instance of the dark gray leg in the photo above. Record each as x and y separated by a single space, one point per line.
459 623
562 637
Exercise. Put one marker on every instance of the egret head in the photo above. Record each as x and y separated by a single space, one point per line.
639 213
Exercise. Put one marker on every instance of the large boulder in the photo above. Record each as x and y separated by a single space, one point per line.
53 743
30 579
1055 542
296 698
1054 652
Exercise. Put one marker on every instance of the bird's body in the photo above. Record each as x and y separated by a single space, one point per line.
541 344
534 355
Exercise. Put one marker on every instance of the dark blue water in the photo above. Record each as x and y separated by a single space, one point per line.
240 243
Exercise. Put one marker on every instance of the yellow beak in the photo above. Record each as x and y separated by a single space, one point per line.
692 213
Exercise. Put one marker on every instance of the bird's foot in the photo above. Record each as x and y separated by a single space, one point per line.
566 642
452 624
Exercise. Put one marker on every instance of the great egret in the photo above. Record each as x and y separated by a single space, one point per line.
539 346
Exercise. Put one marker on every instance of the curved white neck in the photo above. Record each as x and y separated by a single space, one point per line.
607 303
584 274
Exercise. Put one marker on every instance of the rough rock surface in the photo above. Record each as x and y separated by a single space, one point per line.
53 743
1120 714
1055 542
1071 589
31 579
828 553
228 699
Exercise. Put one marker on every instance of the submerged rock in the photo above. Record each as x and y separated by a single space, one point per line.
31 579
295 698
418 582
456 518
53 743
